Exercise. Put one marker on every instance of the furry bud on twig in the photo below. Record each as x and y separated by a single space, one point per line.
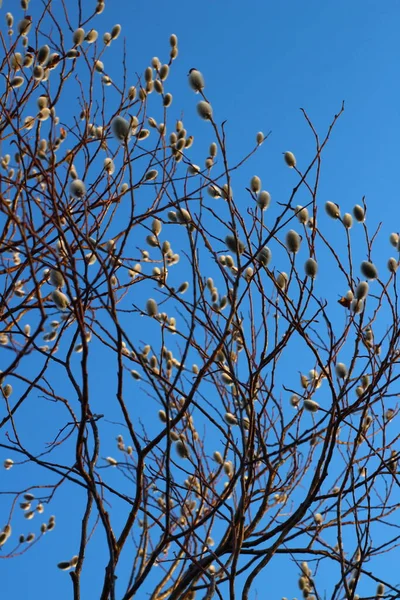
263 200
359 213
60 300
293 241
151 307
290 159
204 110
121 128
311 405
361 290
369 270
347 220
341 370
332 210
77 188
311 268
196 80
255 184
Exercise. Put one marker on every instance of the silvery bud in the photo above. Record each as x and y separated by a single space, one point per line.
369 270
263 200
196 80
204 110
359 213
293 241
332 209
290 159
121 128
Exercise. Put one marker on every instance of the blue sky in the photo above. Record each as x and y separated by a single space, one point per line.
262 61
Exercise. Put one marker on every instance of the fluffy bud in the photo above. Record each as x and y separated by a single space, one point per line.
392 265
260 137
204 110
77 188
311 268
332 210
290 159
115 31
282 280
181 449
394 239
264 256
151 307
341 370
255 184
78 36
234 244
60 300
347 220
293 241
121 128
230 419
263 200
369 270
302 214
361 290
359 213
196 80
311 405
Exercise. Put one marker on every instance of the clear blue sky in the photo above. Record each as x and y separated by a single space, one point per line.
262 61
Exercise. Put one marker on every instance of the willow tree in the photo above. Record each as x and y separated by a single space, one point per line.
172 357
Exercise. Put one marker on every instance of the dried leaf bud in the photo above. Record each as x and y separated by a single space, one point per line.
78 36
234 244
264 256
163 72
181 449
341 370
394 239
359 213
151 307
260 137
8 463
311 405
91 36
293 241
361 290
77 189
16 82
282 280
263 200
115 31
196 80
347 220
60 300
151 175
230 419
392 265
121 128
255 184
204 110
369 270
332 210
218 458
56 279
290 159
311 268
